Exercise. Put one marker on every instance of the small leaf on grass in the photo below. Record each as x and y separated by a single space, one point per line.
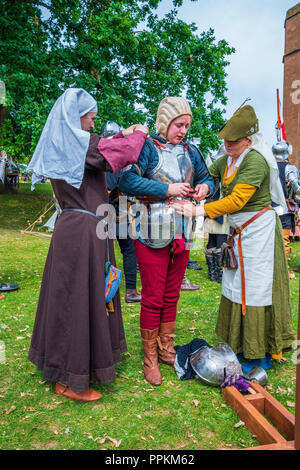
239 424
11 409
114 441
290 404
196 402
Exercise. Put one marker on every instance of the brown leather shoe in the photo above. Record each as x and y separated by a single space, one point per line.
87 395
167 353
132 295
186 285
151 370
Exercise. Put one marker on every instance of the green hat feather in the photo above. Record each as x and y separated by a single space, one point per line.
243 123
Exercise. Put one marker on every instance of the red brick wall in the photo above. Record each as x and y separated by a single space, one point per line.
291 94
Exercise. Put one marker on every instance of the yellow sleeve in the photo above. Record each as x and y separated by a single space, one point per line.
234 202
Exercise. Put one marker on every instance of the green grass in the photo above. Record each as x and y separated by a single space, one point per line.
184 415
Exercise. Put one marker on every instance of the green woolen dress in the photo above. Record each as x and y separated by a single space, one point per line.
265 328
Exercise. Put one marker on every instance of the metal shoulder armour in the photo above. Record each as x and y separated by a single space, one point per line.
292 177
109 129
214 365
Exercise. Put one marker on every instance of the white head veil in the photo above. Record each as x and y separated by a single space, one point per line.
61 150
258 143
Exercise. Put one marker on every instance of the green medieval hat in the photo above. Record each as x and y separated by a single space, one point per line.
243 123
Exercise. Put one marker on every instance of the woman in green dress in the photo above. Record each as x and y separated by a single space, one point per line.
255 312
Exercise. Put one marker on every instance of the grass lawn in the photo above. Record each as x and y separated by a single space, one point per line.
183 415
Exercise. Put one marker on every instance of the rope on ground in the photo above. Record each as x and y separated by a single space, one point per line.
30 228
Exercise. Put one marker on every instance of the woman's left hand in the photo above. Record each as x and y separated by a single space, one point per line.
135 127
201 191
187 208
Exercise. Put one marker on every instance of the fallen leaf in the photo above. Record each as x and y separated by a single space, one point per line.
11 409
290 404
196 402
239 424
114 441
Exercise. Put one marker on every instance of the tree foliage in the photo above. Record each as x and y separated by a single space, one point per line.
120 51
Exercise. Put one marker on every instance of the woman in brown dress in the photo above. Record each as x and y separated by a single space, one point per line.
74 340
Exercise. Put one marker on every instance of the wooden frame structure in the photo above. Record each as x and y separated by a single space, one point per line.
274 426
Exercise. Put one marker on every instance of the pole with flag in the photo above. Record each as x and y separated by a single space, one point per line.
280 129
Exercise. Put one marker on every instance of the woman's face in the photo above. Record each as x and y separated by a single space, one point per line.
178 129
235 149
87 121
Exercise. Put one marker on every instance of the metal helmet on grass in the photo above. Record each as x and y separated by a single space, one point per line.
214 365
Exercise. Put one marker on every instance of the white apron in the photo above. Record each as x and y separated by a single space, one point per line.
258 240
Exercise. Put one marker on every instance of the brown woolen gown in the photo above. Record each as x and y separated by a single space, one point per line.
74 342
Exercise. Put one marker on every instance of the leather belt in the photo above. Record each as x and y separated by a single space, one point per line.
238 231
71 209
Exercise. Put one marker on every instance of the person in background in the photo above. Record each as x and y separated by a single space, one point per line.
255 311
290 183
75 339
212 251
108 130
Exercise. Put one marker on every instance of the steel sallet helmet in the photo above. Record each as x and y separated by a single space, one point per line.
214 365
109 129
281 151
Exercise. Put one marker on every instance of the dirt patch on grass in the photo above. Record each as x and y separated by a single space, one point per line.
44 445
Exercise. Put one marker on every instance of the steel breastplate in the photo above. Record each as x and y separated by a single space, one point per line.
159 222
174 165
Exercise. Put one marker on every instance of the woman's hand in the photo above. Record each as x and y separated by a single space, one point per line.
135 127
179 189
142 128
201 191
188 209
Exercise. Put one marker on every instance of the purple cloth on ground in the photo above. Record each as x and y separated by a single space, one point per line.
237 381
